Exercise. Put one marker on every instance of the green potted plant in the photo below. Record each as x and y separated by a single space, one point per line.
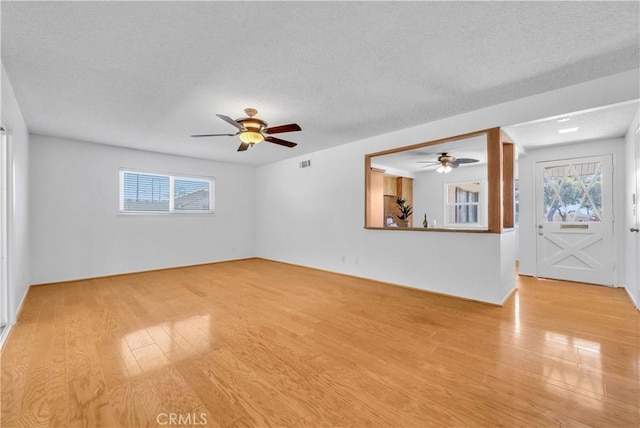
404 210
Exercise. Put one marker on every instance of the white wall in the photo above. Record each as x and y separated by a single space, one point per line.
429 192
527 236
314 216
508 251
77 229
18 198
631 175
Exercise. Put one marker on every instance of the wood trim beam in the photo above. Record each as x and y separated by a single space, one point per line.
367 191
508 161
494 181
430 143
499 168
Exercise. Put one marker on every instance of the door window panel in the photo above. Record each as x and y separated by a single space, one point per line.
573 193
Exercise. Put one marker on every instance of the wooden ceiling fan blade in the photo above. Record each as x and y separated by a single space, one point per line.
280 142
213 135
243 147
292 127
231 121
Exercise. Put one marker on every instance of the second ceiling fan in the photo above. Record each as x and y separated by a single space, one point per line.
447 162
251 130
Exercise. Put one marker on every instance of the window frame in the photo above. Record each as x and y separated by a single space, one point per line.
172 177
481 204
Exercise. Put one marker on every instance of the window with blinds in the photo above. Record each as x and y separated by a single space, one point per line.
142 192
463 203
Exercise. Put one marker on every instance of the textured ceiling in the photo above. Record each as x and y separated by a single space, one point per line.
474 148
149 74
598 123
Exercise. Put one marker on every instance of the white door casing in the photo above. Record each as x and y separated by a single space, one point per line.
636 207
574 220
4 230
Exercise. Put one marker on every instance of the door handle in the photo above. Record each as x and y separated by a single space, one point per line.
634 229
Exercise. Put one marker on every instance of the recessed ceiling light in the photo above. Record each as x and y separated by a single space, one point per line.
563 119
566 130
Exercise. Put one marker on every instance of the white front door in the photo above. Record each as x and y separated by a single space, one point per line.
575 219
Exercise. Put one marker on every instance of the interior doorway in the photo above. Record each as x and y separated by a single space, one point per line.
574 220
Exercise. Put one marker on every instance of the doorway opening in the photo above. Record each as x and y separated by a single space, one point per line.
567 228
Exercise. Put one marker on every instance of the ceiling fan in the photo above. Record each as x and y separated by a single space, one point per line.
251 130
447 162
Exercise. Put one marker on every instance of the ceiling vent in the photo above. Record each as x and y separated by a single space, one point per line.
305 164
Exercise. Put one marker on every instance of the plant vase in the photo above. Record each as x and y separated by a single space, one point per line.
404 211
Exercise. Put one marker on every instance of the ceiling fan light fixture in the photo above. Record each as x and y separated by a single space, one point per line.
443 168
251 137
251 130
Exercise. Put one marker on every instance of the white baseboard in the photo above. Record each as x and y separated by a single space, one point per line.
4 335
509 294
17 314
13 320
633 300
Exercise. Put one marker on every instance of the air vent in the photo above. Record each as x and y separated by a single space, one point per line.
305 164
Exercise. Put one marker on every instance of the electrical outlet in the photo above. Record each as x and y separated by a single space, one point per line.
356 261
344 259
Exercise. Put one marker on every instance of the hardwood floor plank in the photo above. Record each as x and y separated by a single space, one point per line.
34 411
150 358
175 395
260 343
135 404
22 334
89 404
221 408
14 379
59 389
255 398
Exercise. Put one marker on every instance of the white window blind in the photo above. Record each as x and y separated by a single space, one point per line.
463 203
142 192
191 194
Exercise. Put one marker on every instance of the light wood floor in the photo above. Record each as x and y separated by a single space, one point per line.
258 343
